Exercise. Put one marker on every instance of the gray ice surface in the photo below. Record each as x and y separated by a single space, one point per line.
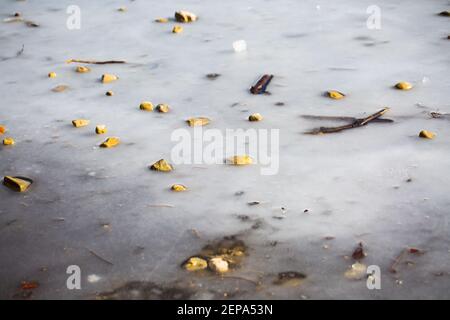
353 183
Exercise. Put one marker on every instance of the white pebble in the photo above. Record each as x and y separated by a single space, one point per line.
240 46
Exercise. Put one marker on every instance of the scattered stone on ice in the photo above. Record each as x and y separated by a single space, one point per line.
403 85
2 129
146 106
241 160
110 142
122 9
162 107
445 13
107 78
290 278
82 69
427 134
161 165
80 123
356 272
255 117
19 184
218 264
333 94
8 141
60 88
197 122
101 129
177 29
240 46
178 188
52 74
185 16
195 264
161 20
109 93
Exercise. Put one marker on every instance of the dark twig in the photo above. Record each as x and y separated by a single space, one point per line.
94 62
355 124
261 86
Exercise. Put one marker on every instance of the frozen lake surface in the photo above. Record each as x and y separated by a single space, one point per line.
100 209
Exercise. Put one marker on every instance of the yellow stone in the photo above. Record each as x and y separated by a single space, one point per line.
241 160
82 69
2 129
19 184
52 75
101 129
80 123
107 78
356 272
197 122
195 264
60 88
161 20
162 107
8 141
109 93
218 264
122 9
110 142
255 117
335 94
146 106
427 134
161 165
178 188
185 16
403 85
177 29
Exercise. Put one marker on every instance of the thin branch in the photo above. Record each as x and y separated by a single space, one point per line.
94 62
355 124
100 257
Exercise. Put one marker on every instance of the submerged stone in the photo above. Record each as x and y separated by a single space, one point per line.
162 107
80 123
82 69
177 29
110 142
333 94
161 165
8 141
255 117
403 85
195 264
427 134
241 160
178 188
185 16
19 184
199 121
146 106
107 78
218 264
101 129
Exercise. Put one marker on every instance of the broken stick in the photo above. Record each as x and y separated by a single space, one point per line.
355 124
94 62
261 86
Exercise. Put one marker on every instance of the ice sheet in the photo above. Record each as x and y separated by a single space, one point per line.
354 183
